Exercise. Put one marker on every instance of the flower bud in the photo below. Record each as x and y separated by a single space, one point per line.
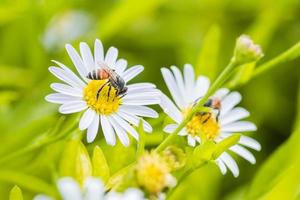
246 50
153 173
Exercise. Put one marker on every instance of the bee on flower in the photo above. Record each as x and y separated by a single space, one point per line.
222 120
102 91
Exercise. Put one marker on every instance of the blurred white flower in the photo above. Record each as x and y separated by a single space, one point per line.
93 189
214 125
66 27
100 99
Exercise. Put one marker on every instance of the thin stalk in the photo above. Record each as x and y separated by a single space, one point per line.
288 55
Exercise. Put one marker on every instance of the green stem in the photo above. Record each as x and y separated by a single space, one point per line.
199 106
288 55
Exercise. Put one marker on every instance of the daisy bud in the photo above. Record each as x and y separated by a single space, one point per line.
246 50
175 157
153 173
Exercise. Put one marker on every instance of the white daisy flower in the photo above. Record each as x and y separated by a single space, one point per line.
93 189
221 122
110 102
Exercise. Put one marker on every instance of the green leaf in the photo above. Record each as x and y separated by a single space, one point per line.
15 193
75 161
203 153
225 144
27 181
207 60
100 166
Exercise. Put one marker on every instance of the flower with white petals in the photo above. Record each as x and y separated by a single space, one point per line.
93 189
99 99
214 125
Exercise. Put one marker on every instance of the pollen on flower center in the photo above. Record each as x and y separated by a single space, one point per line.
203 124
104 102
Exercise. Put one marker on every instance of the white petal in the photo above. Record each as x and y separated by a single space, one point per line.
121 65
98 52
170 109
135 120
229 102
191 141
152 93
94 189
234 115
221 166
141 101
87 56
250 142
87 118
77 81
133 194
72 107
111 57
230 163
82 70
126 126
139 110
240 126
137 87
170 128
221 93
120 132
202 85
244 153
62 75
42 197
60 98
93 129
108 131
180 83
132 72
66 89
189 80
172 86
69 189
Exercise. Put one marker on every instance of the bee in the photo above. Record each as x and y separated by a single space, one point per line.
114 80
214 103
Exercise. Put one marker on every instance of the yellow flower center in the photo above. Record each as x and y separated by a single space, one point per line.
203 124
152 172
101 97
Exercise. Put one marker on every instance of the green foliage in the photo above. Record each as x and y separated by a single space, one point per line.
38 146
75 161
100 166
15 193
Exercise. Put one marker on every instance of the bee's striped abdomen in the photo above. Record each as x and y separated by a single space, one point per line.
94 75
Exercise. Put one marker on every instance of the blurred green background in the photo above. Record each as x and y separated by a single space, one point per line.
154 33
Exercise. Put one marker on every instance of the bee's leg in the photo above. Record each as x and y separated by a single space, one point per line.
98 93
109 89
123 95
116 94
207 118
218 115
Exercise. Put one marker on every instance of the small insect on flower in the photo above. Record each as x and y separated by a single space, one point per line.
220 121
102 91
113 80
